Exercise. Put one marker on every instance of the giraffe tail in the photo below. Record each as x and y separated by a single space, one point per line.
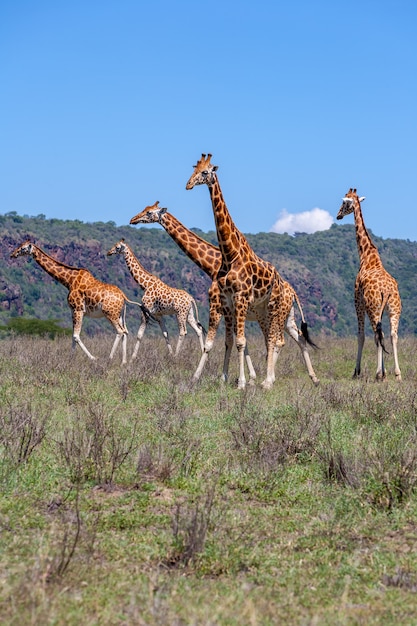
148 315
199 324
379 335
304 328
149 318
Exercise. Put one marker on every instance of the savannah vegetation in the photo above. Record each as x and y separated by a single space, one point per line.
321 267
129 496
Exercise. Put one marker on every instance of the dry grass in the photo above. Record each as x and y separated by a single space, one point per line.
130 496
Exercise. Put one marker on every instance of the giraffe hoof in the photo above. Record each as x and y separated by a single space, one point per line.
267 384
316 381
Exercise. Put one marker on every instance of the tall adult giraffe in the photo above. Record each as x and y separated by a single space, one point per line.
160 299
87 296
208 258
245 280
375 290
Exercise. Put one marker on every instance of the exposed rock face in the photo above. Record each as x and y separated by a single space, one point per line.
10 297
321 267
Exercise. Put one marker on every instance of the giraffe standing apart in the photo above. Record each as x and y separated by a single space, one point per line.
87 296
160 299
245 280
208 258
375 290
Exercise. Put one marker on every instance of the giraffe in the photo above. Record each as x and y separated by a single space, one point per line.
375 290
208 258
245 280
160 299
86 296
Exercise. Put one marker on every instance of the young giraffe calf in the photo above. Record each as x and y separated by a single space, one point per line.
87 296
160 299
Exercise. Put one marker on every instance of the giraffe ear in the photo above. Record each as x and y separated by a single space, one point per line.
362 198
163 210
215 168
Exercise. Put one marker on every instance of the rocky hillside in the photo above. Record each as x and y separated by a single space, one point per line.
322 268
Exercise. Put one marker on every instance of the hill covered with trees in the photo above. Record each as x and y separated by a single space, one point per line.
321 267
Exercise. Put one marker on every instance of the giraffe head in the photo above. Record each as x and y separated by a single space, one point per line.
203 172
349 202
149 215
119 248
24 249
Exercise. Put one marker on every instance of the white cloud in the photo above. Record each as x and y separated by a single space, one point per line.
305 222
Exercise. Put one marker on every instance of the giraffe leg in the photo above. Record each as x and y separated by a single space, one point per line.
241 309
249 364
121 331
124 349
275 343
163 328
272 352
241 347
272 325
228 345
215 316
230 332
197 328
77 321
180 341
292 330
360 314
115 344
140 334
361 341
182 329
195 325
270 373
379 340
394 340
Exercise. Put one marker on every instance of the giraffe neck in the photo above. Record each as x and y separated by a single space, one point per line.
203 253
144 278
368 253
65 274
232 242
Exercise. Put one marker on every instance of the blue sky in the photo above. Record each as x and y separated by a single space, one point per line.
106 106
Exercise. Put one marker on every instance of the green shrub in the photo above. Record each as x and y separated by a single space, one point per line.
33 326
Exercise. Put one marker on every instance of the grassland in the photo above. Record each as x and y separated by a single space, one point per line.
130 497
